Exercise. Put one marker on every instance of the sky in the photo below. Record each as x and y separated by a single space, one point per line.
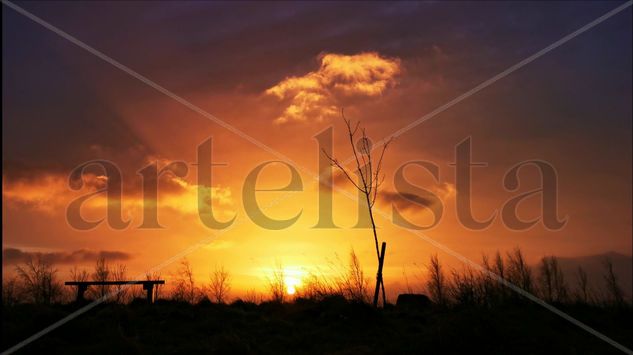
280 73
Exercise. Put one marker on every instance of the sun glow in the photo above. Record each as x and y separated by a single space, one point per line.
286 279
292 279
291 284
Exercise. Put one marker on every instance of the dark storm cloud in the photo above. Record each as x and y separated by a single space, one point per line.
11 256
59 101
221 45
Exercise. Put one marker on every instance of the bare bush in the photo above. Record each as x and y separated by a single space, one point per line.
121 291
488 286
614 295
518 271
354 281
345 278
78 275
464 288
317 287
551 281
101 273
583 292
252 296
436 283
468 287
184 283
39 282
500 270
220 284
10 292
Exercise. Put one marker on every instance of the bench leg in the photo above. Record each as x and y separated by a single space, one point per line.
81 289
149 288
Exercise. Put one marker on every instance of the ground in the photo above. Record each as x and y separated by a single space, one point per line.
328 326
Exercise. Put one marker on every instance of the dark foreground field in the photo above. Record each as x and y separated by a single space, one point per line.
329 326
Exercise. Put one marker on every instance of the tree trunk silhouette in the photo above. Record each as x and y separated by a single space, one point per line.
370 180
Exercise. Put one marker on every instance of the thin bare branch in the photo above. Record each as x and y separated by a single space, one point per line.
351 135
336 163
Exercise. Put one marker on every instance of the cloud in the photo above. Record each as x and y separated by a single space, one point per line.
405 201
340 79
186 201
48 192
45 192
409 201
16 256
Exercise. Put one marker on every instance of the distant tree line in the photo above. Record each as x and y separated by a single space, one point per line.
36 281
546 281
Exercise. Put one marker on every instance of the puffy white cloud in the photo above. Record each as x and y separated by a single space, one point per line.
316 95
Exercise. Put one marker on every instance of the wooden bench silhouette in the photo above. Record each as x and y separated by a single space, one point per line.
82 286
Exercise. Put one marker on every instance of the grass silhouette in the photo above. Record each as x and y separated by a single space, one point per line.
470 311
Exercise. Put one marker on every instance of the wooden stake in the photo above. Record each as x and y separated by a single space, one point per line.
379 283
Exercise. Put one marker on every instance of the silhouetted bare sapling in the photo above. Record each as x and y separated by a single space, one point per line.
370 179
220 284
184 284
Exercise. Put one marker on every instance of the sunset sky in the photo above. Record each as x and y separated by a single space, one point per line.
280 73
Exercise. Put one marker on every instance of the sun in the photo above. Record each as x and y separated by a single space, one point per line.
292 278
292 283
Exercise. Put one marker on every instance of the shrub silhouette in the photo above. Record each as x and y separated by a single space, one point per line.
36 282
39 282
436 283
184 286
219 284
614 295
277 284
551 280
